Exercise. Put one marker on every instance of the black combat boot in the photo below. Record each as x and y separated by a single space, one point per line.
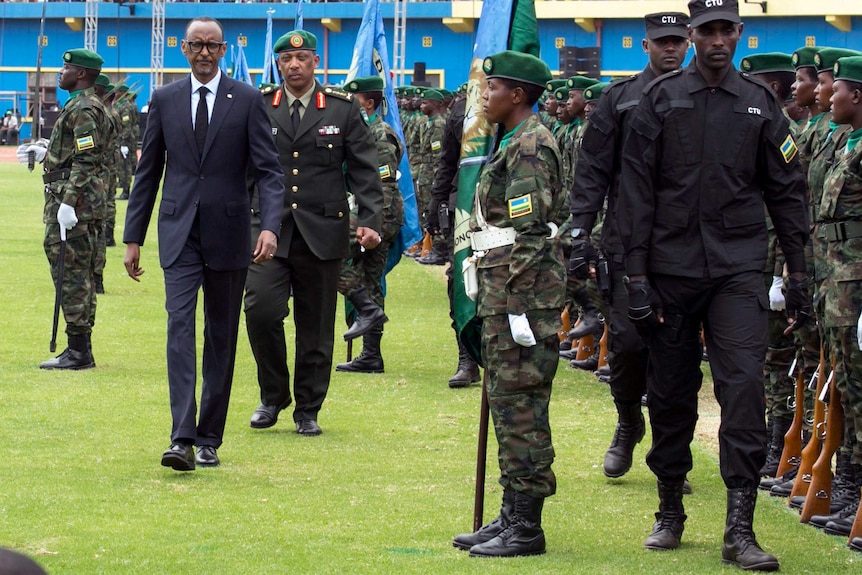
76 356
589 364
844 491
98 283
843 525
629 432
109 236
522 536
125 194
467 371
368 314
740 545
489 530
439 254
776 446
767 483
370 360
670 519
592 323
855 544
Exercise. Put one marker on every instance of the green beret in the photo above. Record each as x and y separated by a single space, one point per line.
462 89
103 80
804 57
295 40
446 93
825 59
122 88
848 68
561 94
554 84
595 91
83 58
265 85
580 82
768 62
433 95
365 84
110 87
517 66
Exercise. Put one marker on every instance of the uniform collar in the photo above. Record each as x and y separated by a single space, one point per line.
730 83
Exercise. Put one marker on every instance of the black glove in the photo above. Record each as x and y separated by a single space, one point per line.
432 216
583 254
644 307
798 303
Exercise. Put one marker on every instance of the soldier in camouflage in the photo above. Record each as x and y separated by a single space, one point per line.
109 167
75 200
362 274
430 148
521 280
129 132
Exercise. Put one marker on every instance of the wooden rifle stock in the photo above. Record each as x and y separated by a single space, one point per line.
603 347
856 530
820 491
792 452
481 457
426 245
811 451
565 325
586 347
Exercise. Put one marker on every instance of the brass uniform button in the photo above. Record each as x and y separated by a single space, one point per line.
294 172
294 205
296 154
294 189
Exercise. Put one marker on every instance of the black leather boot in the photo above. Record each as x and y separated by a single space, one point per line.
589 364
523 535
368 314
98 284
109 236
629 432
125 194
370 360
776 446
670 519
439 254
740 545
844 491
467 371
76 356
592 323
490 530
767 483
843 525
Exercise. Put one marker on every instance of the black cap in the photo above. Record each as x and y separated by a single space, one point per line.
662 24
703 11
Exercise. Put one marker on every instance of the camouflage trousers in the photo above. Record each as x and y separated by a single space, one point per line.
519 392
778 385
126 169
78 298
848 378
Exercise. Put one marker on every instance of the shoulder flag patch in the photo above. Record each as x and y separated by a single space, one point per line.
385 172
788 148
85 143
436 145
520 206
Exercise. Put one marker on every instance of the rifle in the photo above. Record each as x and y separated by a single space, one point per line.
856 530
603 347
566 325
812 450
426 245
58 289
481 457
792 452
36 127
820 490
586 347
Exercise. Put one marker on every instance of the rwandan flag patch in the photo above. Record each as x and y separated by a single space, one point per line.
384 171
85 143
520 206
788 149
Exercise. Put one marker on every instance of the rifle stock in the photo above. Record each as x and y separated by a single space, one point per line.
481 457
792 452
426 245
603 347
820 491
58 289
586 347
565 325
856 530
811 451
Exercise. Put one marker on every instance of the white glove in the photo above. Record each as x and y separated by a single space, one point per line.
23 153
66 216
776 296
124 150
521 332
859 332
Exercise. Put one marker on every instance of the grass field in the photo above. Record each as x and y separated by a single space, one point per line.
383 490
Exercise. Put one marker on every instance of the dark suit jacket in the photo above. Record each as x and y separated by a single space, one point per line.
332 149
213 185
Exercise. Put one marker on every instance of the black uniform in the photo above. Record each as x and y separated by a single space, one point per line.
697 167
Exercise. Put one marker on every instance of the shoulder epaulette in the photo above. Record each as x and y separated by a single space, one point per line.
662 78
268 89
329 91
753 80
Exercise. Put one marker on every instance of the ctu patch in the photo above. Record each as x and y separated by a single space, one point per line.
788 149
520 206
85 143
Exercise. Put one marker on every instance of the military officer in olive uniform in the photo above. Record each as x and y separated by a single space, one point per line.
324 145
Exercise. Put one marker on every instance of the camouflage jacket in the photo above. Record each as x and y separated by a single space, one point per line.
78 143
128 112
521 187
430 147
389 153
825 154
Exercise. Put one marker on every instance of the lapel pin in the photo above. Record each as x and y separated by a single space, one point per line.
230 96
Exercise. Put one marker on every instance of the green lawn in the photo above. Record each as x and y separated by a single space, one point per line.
383 490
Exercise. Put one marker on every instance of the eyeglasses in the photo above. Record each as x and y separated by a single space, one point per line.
197 47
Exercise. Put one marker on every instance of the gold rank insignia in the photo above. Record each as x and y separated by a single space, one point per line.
85 143
520 206
788 149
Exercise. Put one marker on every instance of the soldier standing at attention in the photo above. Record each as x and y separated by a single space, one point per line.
521 277
362 273
129 132
431 147
75 200
707 147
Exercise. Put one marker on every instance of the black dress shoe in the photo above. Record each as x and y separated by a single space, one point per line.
265 416
308 427
180 457
206 456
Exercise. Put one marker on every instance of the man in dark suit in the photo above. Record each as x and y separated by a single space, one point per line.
323 145
205 132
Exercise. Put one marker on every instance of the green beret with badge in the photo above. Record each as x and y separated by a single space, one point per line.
580 82
848 68
767 62
594 92
561 94
103 80
804 57
432 95
517 66
295 40
364 84
825 58
554 84
83 58
462 89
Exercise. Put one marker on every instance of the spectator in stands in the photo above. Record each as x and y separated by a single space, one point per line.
9 127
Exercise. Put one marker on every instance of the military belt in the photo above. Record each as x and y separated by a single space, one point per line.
840 231
491 238
55 175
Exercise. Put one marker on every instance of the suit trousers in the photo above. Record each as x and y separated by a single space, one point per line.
222 303
732 310
313 283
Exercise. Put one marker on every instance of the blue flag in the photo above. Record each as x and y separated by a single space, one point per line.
270 73
240 67
371 58
297 25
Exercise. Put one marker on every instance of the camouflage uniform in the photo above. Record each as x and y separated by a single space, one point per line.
430 147
109 177
521 187
128 112
74 176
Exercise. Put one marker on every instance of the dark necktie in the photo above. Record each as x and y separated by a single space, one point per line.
294 116
201 119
